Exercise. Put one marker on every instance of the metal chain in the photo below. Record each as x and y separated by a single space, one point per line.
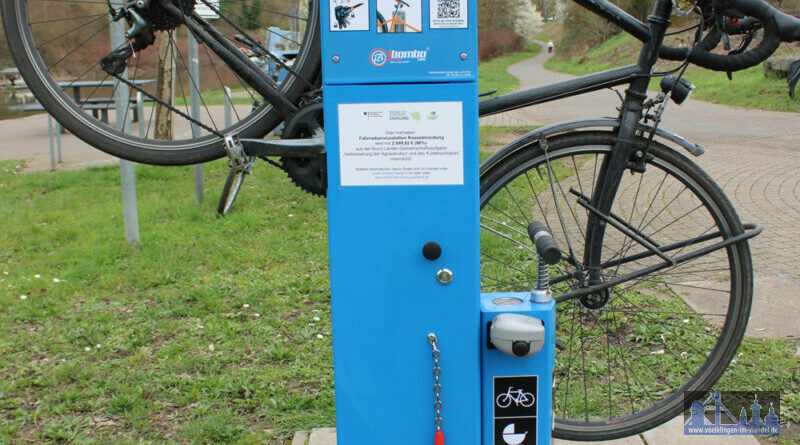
437 386
165 104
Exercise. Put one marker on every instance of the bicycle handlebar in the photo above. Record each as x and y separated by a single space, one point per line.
778 26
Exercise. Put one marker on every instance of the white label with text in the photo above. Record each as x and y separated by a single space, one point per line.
413 143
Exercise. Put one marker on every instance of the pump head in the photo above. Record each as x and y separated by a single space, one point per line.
517 335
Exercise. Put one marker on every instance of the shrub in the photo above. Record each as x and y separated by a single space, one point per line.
497 42
586 30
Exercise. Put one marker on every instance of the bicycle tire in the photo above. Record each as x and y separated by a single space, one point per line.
108 138
701 342
233 184
381 23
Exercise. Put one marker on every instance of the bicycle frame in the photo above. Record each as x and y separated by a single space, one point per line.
613 167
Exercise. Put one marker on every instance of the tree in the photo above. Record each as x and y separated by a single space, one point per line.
586 29
548 8
249 13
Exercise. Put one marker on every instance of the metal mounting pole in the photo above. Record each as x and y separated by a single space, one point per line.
140 111
52 151
126 168
194 75
228 106
59 130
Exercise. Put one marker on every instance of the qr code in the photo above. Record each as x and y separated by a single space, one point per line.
449 9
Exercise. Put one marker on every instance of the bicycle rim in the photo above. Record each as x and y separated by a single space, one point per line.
63 40
624 358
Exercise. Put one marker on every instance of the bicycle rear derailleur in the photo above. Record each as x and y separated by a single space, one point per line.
144 18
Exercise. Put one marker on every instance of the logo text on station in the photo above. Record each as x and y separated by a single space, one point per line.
379 57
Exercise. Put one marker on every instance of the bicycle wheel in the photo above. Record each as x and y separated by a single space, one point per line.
59 43
233 183
624 356
381 21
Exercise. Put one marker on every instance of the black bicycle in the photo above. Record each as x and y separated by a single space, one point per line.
654 284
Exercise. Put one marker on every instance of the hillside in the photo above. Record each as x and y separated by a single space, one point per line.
749 88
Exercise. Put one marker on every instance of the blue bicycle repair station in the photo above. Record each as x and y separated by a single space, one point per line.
420 354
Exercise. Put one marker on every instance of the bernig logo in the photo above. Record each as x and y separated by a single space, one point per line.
378 57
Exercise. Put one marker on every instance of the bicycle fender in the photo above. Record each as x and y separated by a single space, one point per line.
581 124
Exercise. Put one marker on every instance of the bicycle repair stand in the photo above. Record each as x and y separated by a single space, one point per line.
401 118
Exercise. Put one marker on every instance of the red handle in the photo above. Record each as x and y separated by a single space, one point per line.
439 438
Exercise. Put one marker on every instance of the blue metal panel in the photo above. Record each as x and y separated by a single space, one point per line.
433 55
385 296
497 364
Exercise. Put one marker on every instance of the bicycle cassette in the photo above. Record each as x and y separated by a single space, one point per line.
310 174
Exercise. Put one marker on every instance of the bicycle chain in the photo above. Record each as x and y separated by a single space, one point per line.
170 107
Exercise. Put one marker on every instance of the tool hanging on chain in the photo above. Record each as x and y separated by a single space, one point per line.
438 438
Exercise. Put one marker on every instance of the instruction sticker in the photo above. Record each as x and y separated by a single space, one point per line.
446 14
515 405
399 16
349 15
413 143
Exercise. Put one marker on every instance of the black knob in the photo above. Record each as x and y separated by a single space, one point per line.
431 250
521 348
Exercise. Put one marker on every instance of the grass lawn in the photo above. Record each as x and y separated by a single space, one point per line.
213 330
749 88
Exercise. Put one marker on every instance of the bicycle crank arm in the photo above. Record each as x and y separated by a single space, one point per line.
293 148
751 230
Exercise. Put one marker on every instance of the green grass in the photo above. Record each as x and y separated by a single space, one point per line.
749 88
120 348
493 75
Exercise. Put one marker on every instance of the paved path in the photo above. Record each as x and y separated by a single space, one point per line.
27 139
753 155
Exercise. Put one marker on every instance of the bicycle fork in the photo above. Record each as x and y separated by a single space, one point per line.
626 149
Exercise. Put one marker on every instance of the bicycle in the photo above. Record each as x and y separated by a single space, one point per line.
518 396
640 225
